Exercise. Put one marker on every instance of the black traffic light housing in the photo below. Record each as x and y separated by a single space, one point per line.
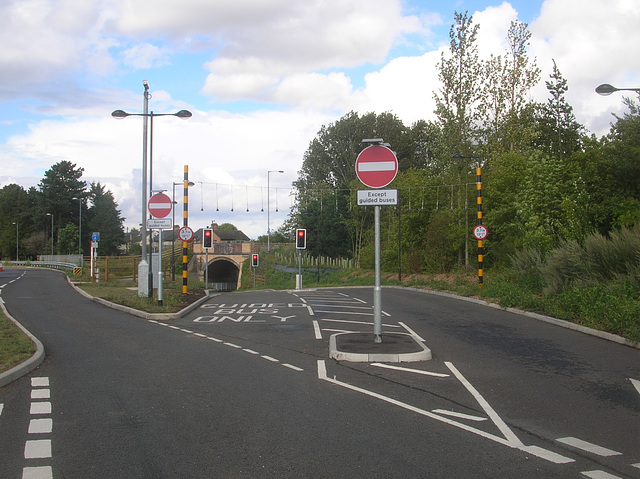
207 238
301 238
255 260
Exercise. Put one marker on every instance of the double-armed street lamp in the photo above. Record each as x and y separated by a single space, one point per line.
144 268
268 208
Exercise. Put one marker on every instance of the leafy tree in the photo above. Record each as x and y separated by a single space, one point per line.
559 132
227 227
104 217
14 206
68 240
331 156
61 183
460 74
505 106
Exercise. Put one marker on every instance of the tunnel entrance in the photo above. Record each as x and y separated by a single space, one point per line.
223 275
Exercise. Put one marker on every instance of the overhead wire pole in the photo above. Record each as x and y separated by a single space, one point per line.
185 244
479 222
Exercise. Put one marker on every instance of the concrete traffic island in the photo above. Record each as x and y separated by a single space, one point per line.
361 348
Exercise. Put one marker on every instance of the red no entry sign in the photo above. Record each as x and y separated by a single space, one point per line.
376 166
159 205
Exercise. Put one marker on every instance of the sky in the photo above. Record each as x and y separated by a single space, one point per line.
261 78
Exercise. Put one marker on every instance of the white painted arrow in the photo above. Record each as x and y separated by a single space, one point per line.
635 383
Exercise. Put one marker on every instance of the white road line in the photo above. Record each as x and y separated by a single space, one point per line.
269 358
40 408
214 339
37 449
635 383
408 370
186 330
346 312
366 323
39 472
250 351
599 475
588 447
174 327
316 330
411 331
340 331
40 426
511 437
636 465
200 335
291 366
459 415
360 300
40 382
1 408
533 450
311 313
232 345
41 393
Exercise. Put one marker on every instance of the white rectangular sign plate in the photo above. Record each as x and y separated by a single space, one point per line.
159 223
377 197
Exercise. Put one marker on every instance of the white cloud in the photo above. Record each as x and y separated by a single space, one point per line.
145 55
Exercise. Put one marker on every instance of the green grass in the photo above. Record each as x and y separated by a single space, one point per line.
126 294
15 346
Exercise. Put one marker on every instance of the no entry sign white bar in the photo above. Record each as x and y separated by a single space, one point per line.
377 166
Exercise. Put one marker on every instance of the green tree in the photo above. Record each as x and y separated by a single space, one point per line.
14 207
559 132
104 217
61 183
227 227
505 107
68 240
331 156
460 74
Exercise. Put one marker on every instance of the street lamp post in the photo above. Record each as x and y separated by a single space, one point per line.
145 268
268 208
605 89
49 214
79 224
17 240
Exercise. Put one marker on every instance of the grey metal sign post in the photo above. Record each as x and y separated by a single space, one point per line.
376 167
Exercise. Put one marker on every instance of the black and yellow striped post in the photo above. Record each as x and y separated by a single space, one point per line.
480 247
185 222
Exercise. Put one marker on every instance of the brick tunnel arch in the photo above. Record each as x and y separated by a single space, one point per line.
223 274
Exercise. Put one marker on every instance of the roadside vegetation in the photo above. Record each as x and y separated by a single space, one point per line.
15 346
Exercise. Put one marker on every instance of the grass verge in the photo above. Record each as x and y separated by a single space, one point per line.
15 346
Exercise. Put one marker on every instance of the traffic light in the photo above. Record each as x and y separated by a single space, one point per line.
301 239
255 260
207 238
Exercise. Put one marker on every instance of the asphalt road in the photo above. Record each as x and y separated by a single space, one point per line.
243 387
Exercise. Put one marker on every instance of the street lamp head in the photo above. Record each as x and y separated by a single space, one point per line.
119 114
145 84
605 89
49 214
184 114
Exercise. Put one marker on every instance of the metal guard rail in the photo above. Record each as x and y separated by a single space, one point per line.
45 264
